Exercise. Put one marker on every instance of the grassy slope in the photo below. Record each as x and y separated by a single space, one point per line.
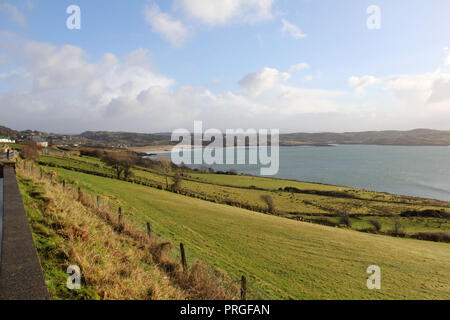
224 187
284 258
112 265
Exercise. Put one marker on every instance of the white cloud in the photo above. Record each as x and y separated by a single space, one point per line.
258 82
362 82
226 11
447 58
171 29
15 14
292 30
60 89
299 67
412 90
420 89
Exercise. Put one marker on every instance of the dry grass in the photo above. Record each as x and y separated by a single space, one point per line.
117 259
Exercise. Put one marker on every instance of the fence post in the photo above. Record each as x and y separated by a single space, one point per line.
243 288
98 201
79 193
149 229
183 258
41 173
120 218
64 184
7 155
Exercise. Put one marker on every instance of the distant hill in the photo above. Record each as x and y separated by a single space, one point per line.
126 138
7 132
416 137
425 137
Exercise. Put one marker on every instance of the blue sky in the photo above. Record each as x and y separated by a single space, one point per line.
229 63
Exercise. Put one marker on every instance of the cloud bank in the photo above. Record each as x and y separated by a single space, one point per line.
57 88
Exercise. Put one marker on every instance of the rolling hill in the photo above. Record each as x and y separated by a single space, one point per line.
282 258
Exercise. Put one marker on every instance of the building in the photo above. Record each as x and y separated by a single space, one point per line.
6 140
40 142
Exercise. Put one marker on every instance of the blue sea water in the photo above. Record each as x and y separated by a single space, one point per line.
415 171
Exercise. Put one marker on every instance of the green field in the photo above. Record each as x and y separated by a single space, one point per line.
282 258
312 201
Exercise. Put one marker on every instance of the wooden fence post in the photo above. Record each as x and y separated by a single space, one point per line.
149 229
243 288
79 193
64 184
98 201
41 173
120 218
183 258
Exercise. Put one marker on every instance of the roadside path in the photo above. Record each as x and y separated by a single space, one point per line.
1 217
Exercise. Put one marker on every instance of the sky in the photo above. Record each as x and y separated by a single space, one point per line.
157 66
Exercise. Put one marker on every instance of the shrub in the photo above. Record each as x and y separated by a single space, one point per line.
432 236
397 227
96 153
345 220
426 214
376 224
121 163
268 200
30 151
325 222
177 180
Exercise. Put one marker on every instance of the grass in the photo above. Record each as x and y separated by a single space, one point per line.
282 258
118 261
303 200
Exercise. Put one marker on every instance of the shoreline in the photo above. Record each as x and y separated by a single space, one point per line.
168 148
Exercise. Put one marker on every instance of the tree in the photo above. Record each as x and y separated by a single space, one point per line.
375 224
177 180
267 199
121 163
345 219
166 166
397 227
30 151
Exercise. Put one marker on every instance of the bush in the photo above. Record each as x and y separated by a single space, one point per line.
397 228
177 180
325 222
426 214
376 224
432 236
30 151
121 163
345 220
267 199
96 153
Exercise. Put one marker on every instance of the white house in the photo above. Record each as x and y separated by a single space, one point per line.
40 142
6 140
